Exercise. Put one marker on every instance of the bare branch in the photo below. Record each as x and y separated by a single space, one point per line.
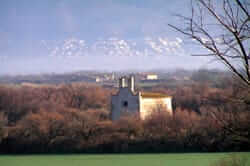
242 7
228 45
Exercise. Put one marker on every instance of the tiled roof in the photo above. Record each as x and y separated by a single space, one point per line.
153 95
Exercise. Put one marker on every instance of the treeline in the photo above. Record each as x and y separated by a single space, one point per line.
75 118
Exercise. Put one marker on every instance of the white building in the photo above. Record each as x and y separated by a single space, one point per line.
152 77
128 101
98 79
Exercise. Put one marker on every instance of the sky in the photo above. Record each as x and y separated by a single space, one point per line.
70 35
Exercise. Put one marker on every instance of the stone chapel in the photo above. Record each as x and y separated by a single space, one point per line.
128 101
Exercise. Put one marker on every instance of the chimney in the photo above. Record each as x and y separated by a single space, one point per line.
122 82
131 83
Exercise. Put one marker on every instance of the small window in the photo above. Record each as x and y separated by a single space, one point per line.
125 104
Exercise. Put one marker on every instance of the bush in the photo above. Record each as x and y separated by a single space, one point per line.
233 160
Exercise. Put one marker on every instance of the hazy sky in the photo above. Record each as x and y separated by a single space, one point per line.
39 36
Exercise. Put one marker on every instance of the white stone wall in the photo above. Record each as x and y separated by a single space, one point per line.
119 106
148 105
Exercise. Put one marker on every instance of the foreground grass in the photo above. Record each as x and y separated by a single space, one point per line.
189 159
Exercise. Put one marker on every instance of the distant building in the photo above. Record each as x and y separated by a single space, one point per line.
128 101
98 79
152 77
113 76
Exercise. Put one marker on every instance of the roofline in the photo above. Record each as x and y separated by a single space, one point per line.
133 93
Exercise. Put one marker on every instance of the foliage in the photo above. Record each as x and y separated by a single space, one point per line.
75 118
233 160
3 122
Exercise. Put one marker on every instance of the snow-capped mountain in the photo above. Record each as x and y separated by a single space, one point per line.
115 47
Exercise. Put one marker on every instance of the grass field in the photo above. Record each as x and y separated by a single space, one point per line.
189 159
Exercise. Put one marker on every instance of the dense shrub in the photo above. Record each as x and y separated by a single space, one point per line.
232 160
75 118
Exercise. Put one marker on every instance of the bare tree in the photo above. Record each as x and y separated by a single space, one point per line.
223 29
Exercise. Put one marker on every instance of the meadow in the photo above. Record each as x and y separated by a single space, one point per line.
185 159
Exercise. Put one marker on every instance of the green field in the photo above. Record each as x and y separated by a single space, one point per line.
189 159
